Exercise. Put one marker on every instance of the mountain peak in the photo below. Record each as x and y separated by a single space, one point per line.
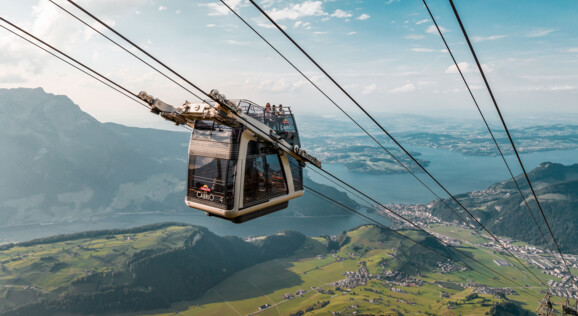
41 111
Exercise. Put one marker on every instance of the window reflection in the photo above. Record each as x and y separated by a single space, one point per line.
264 177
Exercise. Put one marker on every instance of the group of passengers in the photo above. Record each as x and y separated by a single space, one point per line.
275 117
274 110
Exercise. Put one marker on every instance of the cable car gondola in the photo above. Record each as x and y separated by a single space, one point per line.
245 160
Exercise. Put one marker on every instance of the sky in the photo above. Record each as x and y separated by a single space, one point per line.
385 53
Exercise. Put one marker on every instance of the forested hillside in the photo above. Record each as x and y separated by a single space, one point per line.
502 210
126 270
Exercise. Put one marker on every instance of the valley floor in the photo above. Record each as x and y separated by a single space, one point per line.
361 279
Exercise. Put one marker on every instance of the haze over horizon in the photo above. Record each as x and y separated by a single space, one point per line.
387 54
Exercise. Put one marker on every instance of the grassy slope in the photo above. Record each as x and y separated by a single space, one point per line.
50 269
268 281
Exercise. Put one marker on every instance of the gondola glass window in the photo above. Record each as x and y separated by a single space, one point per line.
212 156
275 176
264 177
296 172
212 181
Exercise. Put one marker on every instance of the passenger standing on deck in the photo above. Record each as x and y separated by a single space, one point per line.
281 112
267 112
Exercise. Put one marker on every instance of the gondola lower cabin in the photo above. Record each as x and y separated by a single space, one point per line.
236 175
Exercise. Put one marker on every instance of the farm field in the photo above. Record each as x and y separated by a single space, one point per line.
264 288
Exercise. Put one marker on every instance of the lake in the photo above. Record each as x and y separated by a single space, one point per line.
457 172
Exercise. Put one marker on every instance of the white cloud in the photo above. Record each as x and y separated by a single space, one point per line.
178 11
234 42
351 33
466 68
51 25
561 88
113 8
433 30
211 25
274 86
421 21
297 11
162 8
11 78
270 26
422 50
406 74
414 36
268 3
19 60
369 89
404 89
553 88
305 25
477 39
341 14
573 50
540 32
363 17
537 78
391 1
281 85
216 9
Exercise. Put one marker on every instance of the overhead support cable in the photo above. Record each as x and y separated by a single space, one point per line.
111 84
488 127
123 48
392 138
181 77
353 120
401 217
69 57
124 93
371 220
78 68
509 135
140 49
347 114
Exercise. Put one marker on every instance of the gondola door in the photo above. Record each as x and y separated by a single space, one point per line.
266 184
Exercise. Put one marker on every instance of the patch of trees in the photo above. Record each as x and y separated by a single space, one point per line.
335 244
560 210
154 278
310 308
507 308
125 299
92 234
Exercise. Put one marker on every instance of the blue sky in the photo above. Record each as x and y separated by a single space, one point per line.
384 52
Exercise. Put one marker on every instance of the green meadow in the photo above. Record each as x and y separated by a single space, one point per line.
302 284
